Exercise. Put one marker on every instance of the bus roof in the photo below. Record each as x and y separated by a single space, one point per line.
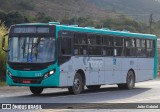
106 31
93 30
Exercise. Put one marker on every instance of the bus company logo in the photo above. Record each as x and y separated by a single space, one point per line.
6 106
94 63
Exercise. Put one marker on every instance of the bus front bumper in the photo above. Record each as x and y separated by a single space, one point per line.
31 80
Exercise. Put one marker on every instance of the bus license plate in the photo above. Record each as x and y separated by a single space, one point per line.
26 81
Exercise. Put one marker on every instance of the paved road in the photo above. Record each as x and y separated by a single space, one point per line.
145 92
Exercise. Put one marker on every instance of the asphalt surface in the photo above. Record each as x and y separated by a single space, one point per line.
106 97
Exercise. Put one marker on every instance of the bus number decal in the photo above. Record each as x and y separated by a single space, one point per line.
38 74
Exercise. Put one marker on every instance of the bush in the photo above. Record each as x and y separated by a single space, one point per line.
124 23
3 30
2 16
14 17
42 18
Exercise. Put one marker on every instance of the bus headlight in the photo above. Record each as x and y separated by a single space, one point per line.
49 74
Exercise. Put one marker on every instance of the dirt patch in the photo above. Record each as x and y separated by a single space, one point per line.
12 89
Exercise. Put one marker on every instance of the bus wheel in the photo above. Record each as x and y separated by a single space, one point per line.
77 85
36 90
130 81
94 87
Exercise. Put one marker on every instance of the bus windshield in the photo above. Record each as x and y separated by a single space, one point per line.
31 49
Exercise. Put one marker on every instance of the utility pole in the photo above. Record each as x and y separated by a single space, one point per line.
150 22
75 12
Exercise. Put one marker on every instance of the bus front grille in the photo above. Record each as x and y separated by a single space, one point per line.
27 80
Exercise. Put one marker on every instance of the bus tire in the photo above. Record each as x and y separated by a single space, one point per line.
94 87
77 85
36 90
130 81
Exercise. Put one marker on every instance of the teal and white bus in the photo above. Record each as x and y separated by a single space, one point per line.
51 55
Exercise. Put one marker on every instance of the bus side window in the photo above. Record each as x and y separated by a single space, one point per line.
80 43
63 51
150 48
84 52
76 51
104 52
109 52
66 46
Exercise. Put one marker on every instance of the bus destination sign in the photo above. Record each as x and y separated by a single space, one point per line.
31 30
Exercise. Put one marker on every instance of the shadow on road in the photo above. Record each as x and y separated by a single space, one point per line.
112 90
103 94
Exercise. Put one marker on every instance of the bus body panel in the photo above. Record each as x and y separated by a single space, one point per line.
107 72
144 69
67 73
112 70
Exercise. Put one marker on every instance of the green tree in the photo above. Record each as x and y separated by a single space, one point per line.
14 17
42 18
3 30
82 21
124 23
2 16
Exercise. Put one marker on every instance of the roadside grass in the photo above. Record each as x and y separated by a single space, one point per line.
2 83
158 77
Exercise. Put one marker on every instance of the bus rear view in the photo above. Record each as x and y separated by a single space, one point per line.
32 56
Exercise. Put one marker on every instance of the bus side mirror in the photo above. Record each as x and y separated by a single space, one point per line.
3 43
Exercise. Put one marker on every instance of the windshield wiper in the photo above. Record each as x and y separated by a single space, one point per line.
36 47
23 47
37 43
